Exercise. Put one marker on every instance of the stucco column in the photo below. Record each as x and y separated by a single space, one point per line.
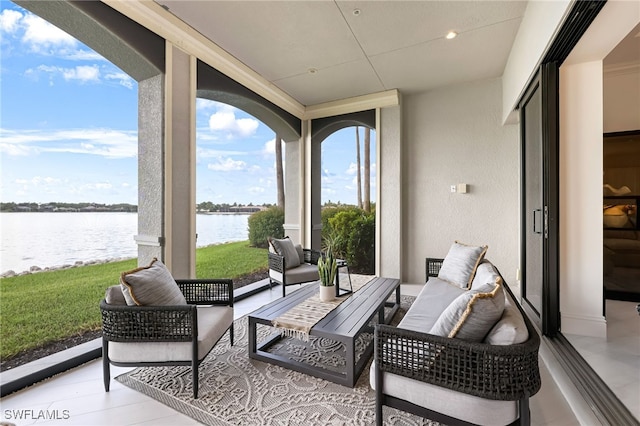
297 187
389 254
314 198
179 201
150 238
293 178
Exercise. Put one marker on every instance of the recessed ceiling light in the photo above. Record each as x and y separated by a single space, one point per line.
356 12
312 70
451 34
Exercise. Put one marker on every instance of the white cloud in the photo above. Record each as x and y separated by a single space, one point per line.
256 190
83 73
214 153
102 142
225 120
227 164
9 21
270 147
121 78
80 73
103 185
43 37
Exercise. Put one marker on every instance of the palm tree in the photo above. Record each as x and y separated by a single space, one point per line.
279 172
367 170
358 168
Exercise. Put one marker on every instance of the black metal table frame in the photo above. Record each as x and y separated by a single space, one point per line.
343 291
344 324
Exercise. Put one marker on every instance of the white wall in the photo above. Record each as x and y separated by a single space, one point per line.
454 135
581 292
622 99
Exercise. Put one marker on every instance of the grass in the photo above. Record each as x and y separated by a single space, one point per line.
36 309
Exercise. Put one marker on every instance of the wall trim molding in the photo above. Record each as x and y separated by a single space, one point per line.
621 69
149 240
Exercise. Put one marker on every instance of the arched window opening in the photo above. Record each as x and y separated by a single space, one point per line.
349 195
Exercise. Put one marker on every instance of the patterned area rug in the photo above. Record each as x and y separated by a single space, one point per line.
235 390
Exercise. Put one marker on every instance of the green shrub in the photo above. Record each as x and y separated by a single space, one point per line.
361 245
351 232
265 224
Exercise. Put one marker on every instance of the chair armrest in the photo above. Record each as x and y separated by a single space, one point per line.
432 266
507 373
312 256
122 323
207 291
276 262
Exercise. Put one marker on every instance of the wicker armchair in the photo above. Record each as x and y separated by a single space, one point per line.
168 335
502 373
306 272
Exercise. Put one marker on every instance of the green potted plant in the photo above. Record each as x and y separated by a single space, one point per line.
327 269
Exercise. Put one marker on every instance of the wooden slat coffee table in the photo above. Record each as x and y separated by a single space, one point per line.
344 324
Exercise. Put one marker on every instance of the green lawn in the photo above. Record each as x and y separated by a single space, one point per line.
39 308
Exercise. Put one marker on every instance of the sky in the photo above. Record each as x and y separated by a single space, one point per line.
68 130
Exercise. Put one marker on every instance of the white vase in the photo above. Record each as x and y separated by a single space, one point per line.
327 293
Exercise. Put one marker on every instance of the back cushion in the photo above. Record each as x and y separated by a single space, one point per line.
485 273
285 248
510 329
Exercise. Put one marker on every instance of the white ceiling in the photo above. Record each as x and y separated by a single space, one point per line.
627 51
388 45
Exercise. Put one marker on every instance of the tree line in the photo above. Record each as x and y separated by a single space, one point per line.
66 207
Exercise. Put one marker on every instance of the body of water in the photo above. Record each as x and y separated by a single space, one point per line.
57 239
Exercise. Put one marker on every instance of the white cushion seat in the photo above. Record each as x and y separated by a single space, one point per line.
469 408
213 322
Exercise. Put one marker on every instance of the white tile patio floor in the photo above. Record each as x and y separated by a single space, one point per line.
79 397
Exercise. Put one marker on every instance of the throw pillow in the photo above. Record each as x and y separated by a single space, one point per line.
151 285
285 248
472 314
459 266
114 296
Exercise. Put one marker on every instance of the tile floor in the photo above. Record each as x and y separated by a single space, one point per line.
616 359
77 397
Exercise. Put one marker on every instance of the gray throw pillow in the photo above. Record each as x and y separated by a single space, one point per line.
114 296
472 314
459 266
151 285
285 248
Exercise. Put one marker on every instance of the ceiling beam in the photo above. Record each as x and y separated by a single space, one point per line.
355 104
157 19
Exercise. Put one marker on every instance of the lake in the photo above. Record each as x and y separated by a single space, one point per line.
56 239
